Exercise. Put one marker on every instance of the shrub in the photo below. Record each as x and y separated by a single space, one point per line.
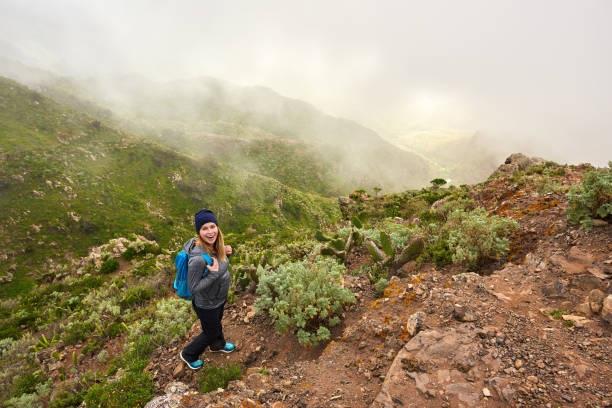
23 401
140 247
381 285
440 252
109 266
171 319
66 399
592 198
475 236
77 331
305 295
135 296
218 377
134 389
145 268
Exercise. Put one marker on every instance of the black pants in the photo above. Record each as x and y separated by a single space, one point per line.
212 333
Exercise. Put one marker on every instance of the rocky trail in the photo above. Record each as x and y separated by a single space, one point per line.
531 332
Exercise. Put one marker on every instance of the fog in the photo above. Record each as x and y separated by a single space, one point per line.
533 76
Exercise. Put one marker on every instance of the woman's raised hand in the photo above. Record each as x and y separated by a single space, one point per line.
228 250
215 265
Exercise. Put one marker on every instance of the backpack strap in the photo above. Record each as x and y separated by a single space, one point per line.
207 259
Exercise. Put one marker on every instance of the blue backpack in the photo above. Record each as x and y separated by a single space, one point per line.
180 282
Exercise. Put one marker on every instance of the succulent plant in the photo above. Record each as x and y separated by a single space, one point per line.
388 258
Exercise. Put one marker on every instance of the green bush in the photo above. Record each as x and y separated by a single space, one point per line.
305 295
66 399
218 377
592 198
138 247
145 268
172 318
381 285
475 236
109 266
440 252
78 331
23 401
132 390
27 382
136 296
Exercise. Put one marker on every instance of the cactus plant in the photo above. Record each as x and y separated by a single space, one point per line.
320 237
338 247
386 255
385 241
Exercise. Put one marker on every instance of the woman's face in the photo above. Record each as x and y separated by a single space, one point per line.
209 232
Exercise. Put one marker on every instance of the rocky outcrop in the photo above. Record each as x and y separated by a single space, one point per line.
516 162
444 367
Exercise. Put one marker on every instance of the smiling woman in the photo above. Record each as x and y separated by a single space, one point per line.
209 284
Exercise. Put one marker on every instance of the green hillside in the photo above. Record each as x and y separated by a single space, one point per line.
68 182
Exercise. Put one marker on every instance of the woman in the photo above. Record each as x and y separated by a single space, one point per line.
209 290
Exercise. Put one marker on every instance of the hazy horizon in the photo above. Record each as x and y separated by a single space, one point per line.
530 76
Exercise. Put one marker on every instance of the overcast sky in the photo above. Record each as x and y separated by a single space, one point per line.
535 72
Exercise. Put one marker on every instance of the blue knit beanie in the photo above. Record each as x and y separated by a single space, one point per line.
202 217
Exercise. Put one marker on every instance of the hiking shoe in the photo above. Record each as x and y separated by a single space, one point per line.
228 348
194 365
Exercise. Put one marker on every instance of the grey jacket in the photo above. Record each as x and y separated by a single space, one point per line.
209 292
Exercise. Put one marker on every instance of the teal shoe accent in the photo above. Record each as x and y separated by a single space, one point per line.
228 348
194 365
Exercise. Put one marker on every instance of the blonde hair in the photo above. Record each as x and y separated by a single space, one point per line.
217 249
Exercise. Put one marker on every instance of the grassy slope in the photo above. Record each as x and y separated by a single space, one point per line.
79 184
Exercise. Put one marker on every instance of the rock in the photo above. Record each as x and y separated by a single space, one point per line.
408 268
577 255
599 222
414 323
554 289
464 392
176 387
175 392
596 298
464 313
599 273
533 379
586 282
421 380
583 371
578 321
448 350
178 370
567 398
606 309
583 308
503 388
518 363
486 392
468 277
516 162
278 404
